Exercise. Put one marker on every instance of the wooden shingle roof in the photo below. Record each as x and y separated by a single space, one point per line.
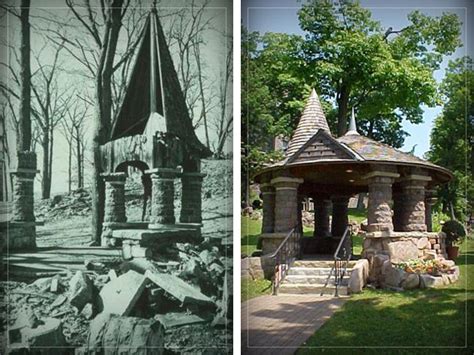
311 121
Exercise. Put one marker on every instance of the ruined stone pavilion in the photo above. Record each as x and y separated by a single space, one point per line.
153 133
332 169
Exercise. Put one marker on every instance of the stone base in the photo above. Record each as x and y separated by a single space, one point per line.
18 236
271 241
165 235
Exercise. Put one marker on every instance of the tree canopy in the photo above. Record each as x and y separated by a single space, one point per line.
453 135
352 61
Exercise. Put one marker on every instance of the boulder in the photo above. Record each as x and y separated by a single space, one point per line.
411 282
430 281
81 290
423 243
402 251
393 276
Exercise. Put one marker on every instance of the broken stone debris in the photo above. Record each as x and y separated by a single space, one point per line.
110 332
120 295
81 290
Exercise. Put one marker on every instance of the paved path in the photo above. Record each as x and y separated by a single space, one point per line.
280 324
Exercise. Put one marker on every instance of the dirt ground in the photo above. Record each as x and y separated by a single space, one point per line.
67 222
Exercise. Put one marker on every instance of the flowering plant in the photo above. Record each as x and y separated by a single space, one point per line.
420 266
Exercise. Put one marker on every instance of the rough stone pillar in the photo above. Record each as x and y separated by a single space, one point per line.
430 200
379 214
340 218
413 210
286 203
23 188
22 228
191 198
397 210
162 195
115 197
322 209
268 197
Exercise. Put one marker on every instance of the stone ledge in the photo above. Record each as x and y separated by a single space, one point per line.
391 234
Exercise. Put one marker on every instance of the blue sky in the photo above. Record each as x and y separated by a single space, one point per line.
281 16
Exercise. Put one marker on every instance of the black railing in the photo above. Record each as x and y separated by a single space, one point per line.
341 258
288 250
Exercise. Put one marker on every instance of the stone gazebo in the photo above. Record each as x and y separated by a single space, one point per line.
330 170
153 133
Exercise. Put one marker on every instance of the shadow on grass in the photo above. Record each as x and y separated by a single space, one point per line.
465 259
421 318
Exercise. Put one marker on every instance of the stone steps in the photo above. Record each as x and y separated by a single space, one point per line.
311 271
312 280
305 289
319 263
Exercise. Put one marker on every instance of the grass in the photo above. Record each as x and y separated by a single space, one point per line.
254 288
419 318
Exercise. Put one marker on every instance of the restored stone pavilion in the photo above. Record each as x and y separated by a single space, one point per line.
153 133
330 170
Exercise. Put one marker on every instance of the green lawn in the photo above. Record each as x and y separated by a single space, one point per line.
254 288
435 317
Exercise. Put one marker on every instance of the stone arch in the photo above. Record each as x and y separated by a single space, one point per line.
146 188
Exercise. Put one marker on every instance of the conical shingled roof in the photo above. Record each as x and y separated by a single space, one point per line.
312 120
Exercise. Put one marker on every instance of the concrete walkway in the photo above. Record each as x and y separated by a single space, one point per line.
280 324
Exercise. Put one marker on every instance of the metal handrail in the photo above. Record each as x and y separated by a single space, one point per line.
288 249
340 265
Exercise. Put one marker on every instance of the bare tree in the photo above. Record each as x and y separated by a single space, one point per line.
52 101
73 130
225 118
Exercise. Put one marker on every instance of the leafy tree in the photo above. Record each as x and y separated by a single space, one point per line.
452 137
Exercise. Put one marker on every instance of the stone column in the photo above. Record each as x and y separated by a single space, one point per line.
191 197
162 195
115 197
268 197
23 188
22 228
413 211
430 200
286 203
379 214
322 208
340 218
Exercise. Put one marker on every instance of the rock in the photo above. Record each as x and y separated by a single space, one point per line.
112 274
402 251
180 290
130 251
429 281
436 247
359 276
449 263
119 296
138 335
379 259
429 255
26 319
394 276
423 243
81 290
411 282
58 301
48 335
88 311
42 283
54 287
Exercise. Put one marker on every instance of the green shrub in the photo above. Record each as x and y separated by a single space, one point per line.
438 219
455 232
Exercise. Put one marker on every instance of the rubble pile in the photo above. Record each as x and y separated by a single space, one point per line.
187 293
76 203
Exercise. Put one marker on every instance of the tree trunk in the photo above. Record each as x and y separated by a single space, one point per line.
201 93
50 165
343 102
69 168
103 112
24 133
79 161
45 181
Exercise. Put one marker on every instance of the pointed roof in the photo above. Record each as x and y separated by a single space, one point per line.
352 125
154 93
312 120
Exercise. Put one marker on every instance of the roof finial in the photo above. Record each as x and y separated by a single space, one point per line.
352 124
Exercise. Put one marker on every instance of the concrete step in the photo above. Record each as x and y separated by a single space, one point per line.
319 263
312 271
312 280
305 289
